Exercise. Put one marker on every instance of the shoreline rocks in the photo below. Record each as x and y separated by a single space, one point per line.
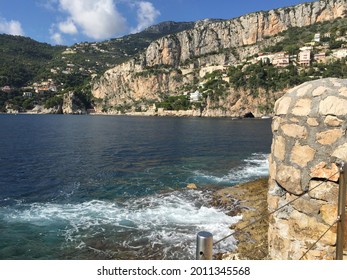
250 201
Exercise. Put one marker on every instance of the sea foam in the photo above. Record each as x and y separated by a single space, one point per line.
254 167
166 222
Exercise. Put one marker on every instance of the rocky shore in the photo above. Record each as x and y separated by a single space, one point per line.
250 201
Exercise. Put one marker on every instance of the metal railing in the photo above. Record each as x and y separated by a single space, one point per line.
204 248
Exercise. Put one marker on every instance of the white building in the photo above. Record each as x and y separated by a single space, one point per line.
305 58
281 59
340 53
195 96
316 37
27 94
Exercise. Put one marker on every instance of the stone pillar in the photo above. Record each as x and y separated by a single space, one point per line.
309 138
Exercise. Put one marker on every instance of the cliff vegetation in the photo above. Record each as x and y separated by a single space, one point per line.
235 68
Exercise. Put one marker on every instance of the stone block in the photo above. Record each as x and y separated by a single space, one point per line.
329 137
304 90
282 105
341 152
328 213
319 91
294 130
272 202
289 178
272 168
325 191
294 120
343 91
325 253
312 122
301 155
279 148
308 228
333 121
306 205
302 107
276 122
333 105
322 171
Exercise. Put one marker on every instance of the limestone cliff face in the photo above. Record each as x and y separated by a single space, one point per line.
208 37
170 63
72 105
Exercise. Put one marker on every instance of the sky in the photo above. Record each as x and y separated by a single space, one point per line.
65 22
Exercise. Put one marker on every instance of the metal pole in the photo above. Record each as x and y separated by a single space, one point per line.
341 212
204 246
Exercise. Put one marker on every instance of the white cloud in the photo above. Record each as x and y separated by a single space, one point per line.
11 27
68 27
98 19
48 4
57 38
146 15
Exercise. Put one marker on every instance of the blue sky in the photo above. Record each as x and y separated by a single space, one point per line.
71 21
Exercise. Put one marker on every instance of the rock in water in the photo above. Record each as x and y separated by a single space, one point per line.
192 186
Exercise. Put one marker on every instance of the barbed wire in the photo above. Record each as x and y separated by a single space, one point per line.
280 208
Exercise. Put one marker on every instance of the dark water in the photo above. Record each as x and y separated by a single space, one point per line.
82 187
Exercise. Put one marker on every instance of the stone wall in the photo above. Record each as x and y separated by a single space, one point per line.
309 139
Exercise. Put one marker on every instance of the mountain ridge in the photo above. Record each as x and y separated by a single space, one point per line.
171 63
155 70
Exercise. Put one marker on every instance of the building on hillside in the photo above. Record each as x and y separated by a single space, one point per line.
320 57
27 94
341 39
305 58
340 53
45 87
265 58
69 51
6 89
316 37
306 48
195 96
281 59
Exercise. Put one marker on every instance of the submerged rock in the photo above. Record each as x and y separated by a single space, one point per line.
192 186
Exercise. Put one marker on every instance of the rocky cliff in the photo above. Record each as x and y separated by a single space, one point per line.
172 65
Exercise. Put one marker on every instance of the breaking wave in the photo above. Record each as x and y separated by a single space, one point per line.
254 167
162 226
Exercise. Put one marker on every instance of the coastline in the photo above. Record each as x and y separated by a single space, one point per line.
145 115
250 201
150 113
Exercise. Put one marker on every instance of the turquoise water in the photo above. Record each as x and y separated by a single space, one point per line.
82 187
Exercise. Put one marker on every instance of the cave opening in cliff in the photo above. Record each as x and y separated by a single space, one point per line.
249 115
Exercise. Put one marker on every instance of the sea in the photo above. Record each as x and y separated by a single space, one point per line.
115 187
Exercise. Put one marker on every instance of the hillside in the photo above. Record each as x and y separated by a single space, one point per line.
199 64
25 62
100 56
235 68
22 59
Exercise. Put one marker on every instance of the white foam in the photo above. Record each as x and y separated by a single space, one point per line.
254 167
171 220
